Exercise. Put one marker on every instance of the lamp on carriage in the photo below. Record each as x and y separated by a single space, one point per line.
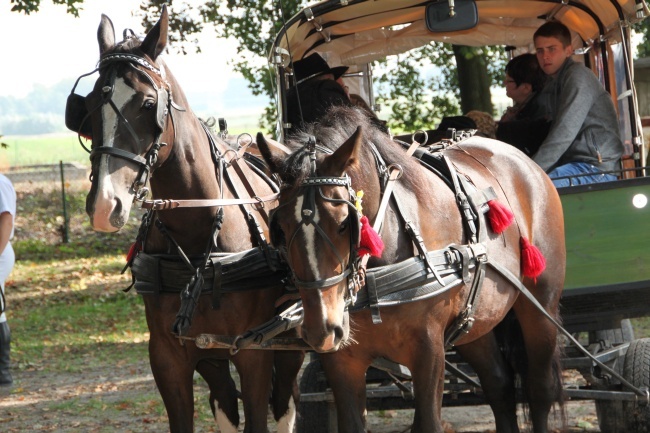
639 201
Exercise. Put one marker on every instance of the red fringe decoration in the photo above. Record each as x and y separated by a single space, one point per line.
136 247
499 216
370 242
532 259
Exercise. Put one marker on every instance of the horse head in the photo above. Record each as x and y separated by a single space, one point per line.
316 225
129 110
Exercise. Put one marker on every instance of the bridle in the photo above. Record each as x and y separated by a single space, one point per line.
77 115
308 189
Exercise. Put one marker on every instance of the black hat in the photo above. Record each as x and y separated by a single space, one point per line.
313 66
456 122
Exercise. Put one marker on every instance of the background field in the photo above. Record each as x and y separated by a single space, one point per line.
41 149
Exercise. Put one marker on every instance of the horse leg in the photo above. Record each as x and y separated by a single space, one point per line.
428 372
173 373
497 380
255 369
285 394
543 382
347 378
223 393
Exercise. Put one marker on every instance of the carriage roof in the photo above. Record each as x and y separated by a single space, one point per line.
358 32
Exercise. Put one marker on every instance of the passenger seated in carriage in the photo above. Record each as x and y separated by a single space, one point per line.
584 136
319 87
316 89
525 125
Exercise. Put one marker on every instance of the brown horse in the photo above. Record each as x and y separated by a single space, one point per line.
318 226
141 126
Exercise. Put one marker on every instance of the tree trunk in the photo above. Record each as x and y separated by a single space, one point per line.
473 79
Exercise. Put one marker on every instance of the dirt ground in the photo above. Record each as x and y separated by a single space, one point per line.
27 407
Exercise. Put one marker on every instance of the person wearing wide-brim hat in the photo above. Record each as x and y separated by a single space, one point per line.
314 66
316 88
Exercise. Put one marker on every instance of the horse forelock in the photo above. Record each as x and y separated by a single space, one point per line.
333 129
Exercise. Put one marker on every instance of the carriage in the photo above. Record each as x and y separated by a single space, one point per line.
607 282
232 286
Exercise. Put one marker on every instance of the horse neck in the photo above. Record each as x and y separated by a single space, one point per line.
187 172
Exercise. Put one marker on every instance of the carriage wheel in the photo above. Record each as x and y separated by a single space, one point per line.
637 371
313 417
611 417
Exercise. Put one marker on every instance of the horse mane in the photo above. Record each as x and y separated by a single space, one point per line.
332 130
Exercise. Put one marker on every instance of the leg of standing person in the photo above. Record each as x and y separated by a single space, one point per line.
5 347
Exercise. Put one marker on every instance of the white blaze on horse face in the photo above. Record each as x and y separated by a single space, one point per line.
309 232
287 422
106 193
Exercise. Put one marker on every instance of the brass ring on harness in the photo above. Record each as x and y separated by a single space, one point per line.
397 167
230 151
244 146
234 350
260 202
420 131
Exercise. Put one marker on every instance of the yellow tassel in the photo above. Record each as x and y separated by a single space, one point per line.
358 200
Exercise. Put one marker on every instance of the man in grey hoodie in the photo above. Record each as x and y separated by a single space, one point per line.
584 136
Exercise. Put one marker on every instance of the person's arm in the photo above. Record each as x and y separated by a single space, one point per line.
573 105
6 224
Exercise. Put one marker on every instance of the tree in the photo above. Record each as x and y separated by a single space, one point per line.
253 23
29 6
465 73
643 49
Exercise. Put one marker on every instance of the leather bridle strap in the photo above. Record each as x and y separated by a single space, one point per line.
173 204
113 151
395 173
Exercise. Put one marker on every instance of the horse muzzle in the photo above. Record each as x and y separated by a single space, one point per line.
107 214
328 337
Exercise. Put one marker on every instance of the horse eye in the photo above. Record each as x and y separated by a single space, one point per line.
343 226
149 104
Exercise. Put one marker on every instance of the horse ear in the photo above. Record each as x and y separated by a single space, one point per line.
156 40
273 154
105 35
345 156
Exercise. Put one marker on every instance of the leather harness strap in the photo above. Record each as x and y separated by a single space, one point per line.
173 204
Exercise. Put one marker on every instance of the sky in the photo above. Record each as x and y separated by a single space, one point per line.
51 45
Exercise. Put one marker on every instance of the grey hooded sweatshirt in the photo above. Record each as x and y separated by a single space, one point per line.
585 124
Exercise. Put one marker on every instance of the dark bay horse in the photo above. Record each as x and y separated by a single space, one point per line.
142 127
318 225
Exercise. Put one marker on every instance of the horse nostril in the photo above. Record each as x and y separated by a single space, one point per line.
338 333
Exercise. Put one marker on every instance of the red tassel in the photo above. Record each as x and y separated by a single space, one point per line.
370 242
136 247
499 216
532 259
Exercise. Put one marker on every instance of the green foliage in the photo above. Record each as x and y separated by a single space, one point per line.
643 49
413 100
29 6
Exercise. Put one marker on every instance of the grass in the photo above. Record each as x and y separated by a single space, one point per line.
42 149
66 298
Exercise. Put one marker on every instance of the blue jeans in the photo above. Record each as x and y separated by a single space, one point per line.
588 174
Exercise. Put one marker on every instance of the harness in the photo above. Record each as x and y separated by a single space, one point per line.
77 114
180 274
428 273
309 187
